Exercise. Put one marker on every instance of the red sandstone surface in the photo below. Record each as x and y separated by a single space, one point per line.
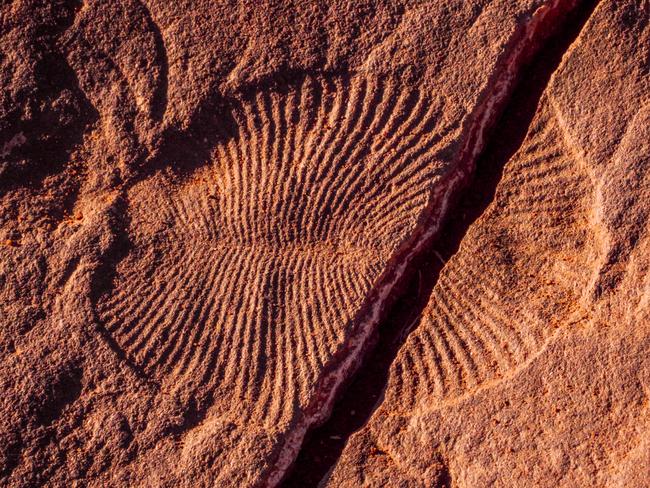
208 211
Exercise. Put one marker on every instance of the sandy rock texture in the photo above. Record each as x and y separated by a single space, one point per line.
530 364
206 209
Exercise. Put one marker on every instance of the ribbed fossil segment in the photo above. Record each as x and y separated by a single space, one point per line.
248 277
536 241
517 281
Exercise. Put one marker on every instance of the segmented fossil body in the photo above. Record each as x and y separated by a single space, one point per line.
518 275
246 279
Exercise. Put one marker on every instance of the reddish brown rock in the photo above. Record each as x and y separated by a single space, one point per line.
530 363
205 213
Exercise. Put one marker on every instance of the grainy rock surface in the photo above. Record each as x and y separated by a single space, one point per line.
530 364
207 207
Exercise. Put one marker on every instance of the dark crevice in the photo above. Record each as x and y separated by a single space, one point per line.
443 477
323 446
